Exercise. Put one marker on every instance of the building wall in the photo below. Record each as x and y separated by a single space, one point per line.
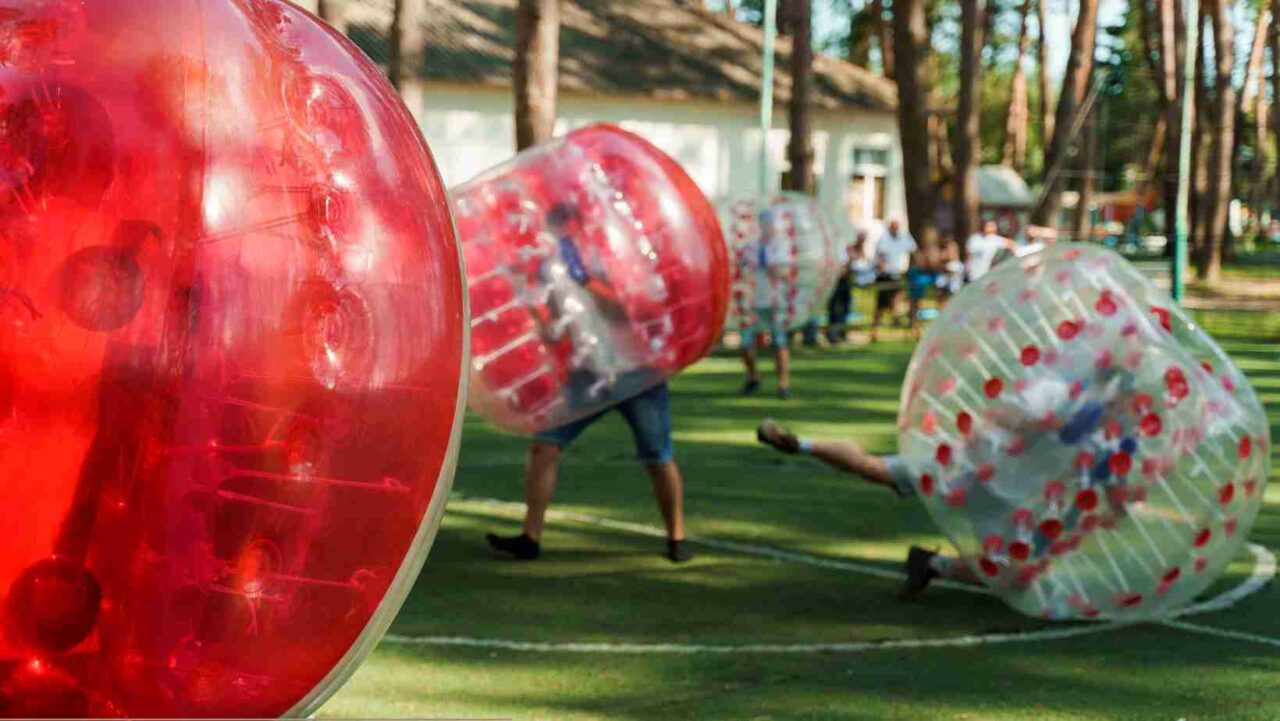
471 129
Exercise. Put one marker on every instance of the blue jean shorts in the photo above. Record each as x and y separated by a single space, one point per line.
920 281
648 415
766 320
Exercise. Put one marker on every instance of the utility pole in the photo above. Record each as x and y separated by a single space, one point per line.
1184 155
766 92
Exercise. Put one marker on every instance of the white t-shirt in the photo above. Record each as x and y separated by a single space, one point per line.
896 251
980 253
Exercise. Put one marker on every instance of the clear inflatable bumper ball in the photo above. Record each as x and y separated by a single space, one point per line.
785 259
596 269
232 336
1088 449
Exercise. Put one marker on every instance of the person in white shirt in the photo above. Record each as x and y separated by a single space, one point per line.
893 260
981 249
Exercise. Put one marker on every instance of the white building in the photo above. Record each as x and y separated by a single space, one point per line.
684 78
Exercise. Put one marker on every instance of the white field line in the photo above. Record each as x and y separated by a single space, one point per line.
748 549
1264 571
752 648
1223 633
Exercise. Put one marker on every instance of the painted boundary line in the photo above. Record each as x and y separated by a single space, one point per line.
1223 633
1264 571
746 549
752 648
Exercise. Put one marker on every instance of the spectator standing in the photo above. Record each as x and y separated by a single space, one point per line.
982 248
893 260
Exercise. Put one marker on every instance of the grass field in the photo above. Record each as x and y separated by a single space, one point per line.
609 585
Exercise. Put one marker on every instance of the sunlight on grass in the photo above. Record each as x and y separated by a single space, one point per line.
609 585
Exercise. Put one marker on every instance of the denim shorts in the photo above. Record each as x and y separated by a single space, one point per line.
767 319
648 415
920 281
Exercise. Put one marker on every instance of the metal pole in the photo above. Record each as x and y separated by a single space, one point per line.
766 91
1184 150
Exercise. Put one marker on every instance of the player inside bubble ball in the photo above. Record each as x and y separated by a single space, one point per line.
582 318
1076 419
766 257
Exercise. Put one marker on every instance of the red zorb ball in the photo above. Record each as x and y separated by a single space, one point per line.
596 268
232 333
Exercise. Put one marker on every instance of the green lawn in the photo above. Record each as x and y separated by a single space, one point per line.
598 584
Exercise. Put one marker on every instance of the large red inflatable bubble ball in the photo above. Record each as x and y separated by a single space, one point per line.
596 268
232 334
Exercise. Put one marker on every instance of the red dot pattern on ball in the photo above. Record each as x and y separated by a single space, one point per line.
1101 437
1030 355
1069 329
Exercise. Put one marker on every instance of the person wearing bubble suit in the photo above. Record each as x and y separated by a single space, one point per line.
1088 449
597 270
785 261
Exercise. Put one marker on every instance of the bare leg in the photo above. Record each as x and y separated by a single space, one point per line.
749 362
782 355
875 322
844 456
850 457
913 309
540 473
668 489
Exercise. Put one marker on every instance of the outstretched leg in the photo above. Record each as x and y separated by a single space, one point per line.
841 455
922 566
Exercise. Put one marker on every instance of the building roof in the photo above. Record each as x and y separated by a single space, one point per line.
664 49
1001 186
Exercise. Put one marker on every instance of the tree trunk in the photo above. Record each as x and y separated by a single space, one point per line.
1246 104
988 33
1042 64
334 13
1074 86
968 138
395 53
1173 41
1083 226
534 70
1257 52
729 11
884 36
861 29
1151 163
911 37
1209 263
799 147
1013 152
405 53
1201 141
1274 116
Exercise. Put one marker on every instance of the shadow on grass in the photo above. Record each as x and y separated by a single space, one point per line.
597 584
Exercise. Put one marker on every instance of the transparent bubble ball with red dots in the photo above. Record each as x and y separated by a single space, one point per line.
1087 447
785 255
